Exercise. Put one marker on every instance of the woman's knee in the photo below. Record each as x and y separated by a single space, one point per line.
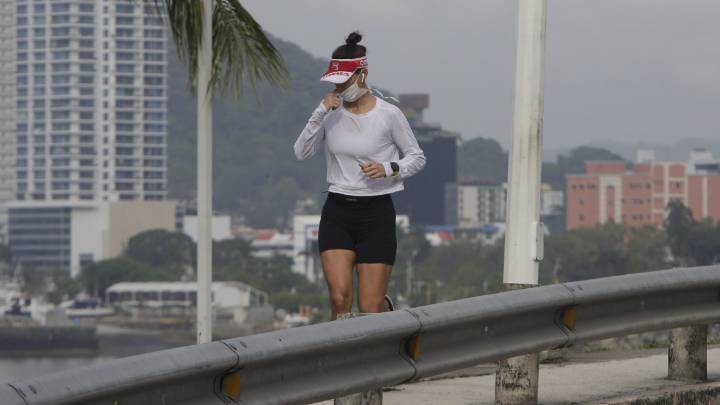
341 301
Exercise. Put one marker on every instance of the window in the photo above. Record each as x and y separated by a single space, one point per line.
125 92
125 56
87 67
154 68
153 81
60 55
154 116
124 32
153 104
153 57
153 127
60 91
60 19
125 80
124 127
153 93
124 20
60 7
60 115
125 8
153 33
122 44
123 115
64 79
125 104
154 45
60 67
124 68
61 31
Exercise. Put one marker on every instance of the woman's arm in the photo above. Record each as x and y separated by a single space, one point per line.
413 157
312 135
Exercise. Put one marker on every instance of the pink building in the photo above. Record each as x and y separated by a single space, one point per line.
607 191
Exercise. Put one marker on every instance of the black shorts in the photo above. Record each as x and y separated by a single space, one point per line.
365 225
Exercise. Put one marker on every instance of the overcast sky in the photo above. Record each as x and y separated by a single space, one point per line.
618 70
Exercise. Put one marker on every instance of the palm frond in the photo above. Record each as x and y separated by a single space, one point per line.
241 50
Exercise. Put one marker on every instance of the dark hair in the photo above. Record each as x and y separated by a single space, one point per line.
351 49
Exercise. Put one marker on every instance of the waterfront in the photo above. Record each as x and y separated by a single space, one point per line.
113 343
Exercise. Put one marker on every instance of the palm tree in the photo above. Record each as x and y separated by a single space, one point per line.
240 49
223 50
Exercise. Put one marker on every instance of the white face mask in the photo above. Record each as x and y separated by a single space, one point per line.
354 92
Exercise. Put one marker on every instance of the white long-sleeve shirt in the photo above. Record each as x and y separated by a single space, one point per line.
350 139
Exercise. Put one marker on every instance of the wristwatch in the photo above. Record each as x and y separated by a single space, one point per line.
395 168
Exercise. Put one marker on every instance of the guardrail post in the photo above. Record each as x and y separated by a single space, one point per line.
687 354
372 397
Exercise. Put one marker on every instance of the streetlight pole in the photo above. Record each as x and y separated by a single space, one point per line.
204 180
516 381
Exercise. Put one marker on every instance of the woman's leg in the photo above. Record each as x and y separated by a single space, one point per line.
373 279
337 266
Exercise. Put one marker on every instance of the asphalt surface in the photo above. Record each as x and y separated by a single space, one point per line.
585 378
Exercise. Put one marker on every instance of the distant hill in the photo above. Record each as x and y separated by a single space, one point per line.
255 171
485 159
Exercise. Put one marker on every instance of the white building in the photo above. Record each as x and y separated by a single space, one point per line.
269 242
230 300
90 98
551 201
702 161
62 235
221 227
306 257
481 203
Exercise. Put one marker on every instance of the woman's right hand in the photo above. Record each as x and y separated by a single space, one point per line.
331 100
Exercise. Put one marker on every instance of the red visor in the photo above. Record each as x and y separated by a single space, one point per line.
340 70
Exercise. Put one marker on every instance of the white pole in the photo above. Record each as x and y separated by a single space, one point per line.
523 238
204 181
516 378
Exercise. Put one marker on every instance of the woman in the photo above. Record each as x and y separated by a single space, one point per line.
363 137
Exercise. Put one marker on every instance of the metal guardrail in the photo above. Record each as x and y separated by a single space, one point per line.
317 362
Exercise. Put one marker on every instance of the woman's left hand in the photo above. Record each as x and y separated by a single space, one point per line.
373 170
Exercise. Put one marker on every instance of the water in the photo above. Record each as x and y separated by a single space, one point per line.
112 343
13 369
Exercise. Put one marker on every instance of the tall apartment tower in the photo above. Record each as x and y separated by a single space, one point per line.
90 100
7 108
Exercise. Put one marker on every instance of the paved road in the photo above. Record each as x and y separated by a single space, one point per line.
586 378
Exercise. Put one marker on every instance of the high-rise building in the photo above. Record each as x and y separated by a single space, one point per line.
608 192
83 98
428 198
7 108
91 100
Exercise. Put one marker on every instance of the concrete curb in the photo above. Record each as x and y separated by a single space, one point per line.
700 393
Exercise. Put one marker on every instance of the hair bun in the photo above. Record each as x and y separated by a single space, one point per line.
353 39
